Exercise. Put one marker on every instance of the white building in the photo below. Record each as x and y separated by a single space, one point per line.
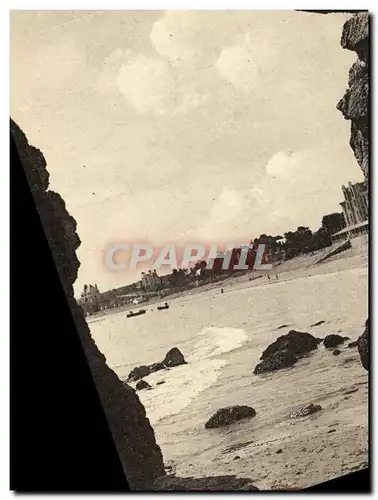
350 232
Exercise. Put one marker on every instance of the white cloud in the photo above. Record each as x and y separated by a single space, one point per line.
110 69
284 164
146 83
298 188
177 36
149 84
237 65
163 85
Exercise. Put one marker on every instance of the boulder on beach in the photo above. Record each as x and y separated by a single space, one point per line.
174 357
336 352
229 415
156 367
304 411
276 361
138 373
334 340
295 342
284 352
363 346
142 384
353 344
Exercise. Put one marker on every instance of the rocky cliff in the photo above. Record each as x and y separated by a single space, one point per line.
133 435
355 103
355 106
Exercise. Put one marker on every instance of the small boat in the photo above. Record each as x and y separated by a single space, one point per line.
165 306
138 313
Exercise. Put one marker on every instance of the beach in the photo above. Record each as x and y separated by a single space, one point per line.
222 337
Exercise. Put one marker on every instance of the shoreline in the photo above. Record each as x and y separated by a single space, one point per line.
283 270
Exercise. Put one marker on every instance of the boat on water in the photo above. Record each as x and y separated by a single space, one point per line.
138 313
165 306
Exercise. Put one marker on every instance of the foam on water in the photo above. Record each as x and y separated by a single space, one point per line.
216 341
184 383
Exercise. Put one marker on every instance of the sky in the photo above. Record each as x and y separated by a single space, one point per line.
181 126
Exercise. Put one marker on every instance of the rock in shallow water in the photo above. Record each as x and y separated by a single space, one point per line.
295 342
174 357
138 373
156 367
305 411
336 352
229 415
352 344
276 361
142 384
334 340
284 352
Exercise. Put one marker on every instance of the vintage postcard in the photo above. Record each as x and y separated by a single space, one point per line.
203 181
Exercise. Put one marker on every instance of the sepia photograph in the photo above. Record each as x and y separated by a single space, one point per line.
202 179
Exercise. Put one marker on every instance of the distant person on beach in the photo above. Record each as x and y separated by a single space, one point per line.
268 277
221 290
276 277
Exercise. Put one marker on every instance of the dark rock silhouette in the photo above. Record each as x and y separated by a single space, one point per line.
363 346
133 435
174 357
334 340
276 361
285 351
353 344
229 415
355 107
156 367
142 384
304 411
336 352
355 103
214 483
295 342
138 373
